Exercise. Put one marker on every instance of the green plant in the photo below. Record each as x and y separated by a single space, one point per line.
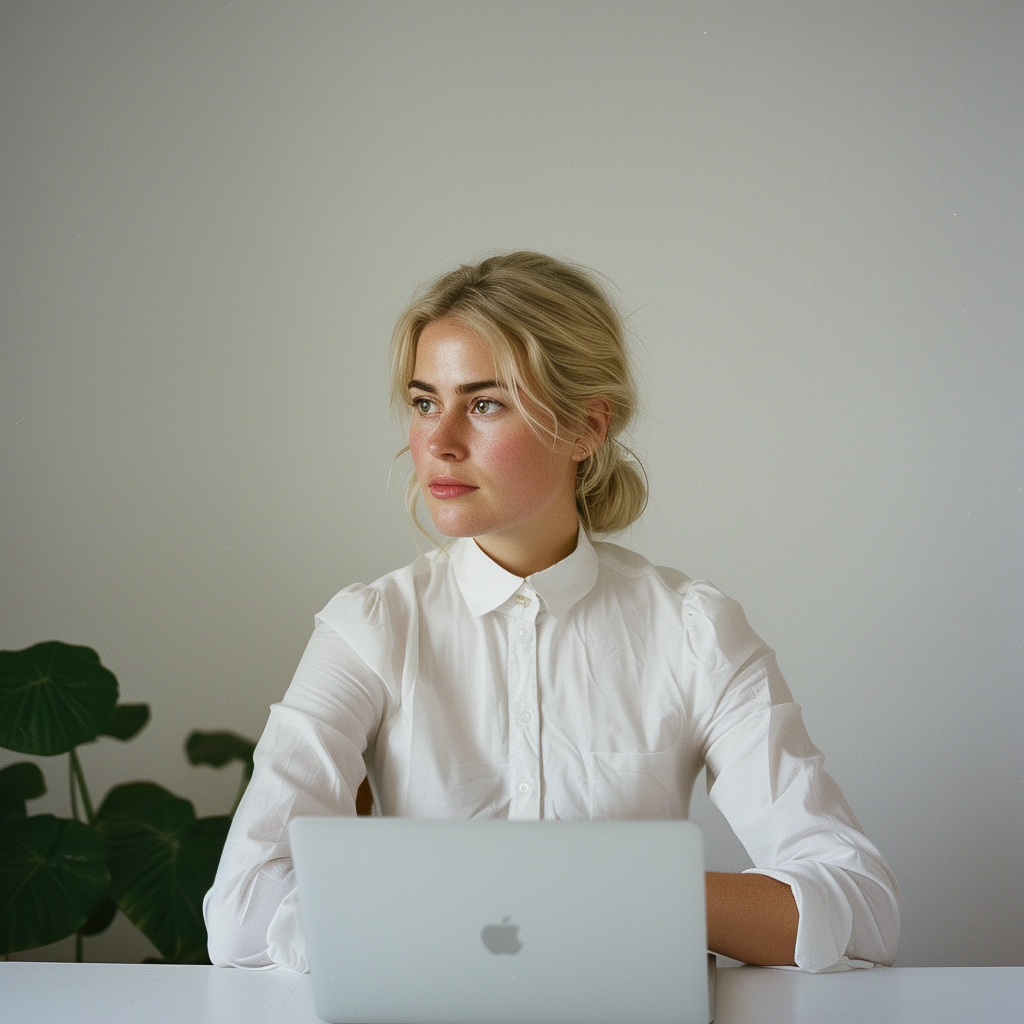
143 850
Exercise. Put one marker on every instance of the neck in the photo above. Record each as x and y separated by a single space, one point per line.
525 560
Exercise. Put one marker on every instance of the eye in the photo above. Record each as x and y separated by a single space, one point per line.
423 405
486 406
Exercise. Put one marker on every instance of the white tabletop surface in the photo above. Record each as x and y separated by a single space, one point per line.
49 993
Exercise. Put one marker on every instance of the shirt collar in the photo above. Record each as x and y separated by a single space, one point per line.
486 586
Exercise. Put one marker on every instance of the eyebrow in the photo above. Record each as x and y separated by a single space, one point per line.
462 389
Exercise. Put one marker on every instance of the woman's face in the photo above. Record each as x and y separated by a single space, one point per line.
483 471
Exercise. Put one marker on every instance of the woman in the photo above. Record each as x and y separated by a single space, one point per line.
525 670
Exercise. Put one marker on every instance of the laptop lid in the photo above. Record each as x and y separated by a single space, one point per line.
412 921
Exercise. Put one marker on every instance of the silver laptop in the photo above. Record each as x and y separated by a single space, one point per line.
410 921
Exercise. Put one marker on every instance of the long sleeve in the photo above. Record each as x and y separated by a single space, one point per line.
768 779
309 761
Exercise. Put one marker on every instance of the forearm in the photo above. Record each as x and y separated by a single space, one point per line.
752 918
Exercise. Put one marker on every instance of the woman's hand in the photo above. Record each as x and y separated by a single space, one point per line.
752 918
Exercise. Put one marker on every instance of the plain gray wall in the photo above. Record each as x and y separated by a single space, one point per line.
212 215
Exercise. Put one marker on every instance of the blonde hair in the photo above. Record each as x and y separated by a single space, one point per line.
557 341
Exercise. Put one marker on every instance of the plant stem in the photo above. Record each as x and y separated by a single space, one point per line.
72 790
76 781
76 768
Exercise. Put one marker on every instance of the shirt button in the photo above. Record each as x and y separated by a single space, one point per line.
524 788
524 716
523 601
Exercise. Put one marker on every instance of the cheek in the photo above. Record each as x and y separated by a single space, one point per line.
527 462
417 443
507 455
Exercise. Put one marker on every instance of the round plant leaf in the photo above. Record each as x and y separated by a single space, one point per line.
162 862
24 779
99 920
127 721
53 872
53 696
218 748
18 783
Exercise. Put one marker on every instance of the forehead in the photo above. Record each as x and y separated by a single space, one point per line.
449 350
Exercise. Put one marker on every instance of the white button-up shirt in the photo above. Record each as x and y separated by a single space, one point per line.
598 688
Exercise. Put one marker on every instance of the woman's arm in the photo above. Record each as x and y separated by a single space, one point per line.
752 918
768 779
308 762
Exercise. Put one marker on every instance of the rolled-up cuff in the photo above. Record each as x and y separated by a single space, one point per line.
825 926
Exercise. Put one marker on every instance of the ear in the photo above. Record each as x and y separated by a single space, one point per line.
598 418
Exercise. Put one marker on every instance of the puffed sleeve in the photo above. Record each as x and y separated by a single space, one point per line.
769 780
309 761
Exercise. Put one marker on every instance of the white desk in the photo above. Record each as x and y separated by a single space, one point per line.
48 993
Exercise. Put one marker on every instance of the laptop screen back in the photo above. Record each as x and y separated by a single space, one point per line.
498 922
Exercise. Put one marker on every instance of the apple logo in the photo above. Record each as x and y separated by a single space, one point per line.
502 938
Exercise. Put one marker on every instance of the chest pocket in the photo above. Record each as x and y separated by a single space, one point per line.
632 785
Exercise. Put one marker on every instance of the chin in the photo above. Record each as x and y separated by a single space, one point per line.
450 526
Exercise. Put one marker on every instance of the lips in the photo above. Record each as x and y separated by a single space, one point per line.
445 487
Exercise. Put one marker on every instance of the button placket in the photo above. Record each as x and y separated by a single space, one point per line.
524 734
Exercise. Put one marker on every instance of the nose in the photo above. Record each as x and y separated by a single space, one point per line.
447 440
